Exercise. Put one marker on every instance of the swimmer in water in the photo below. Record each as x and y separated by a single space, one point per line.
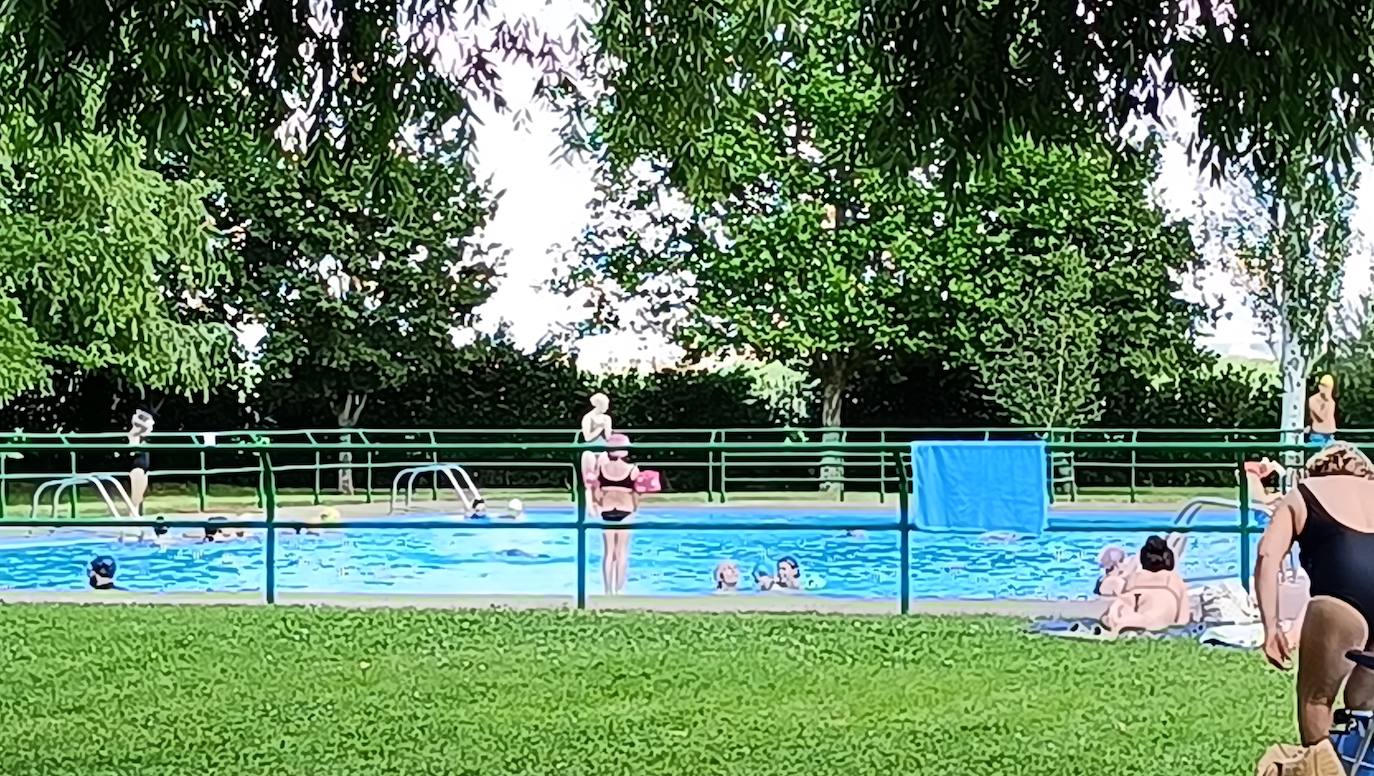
789 574
727 577
100 574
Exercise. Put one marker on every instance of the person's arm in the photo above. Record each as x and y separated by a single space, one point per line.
1273 548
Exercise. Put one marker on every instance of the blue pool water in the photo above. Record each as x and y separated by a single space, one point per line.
511 561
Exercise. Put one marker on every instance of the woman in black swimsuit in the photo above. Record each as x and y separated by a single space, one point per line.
1330 516
615 500
140 462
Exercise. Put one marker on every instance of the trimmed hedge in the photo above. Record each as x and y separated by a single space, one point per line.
249 691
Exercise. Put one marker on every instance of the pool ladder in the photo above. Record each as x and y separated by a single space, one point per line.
456 475
97 481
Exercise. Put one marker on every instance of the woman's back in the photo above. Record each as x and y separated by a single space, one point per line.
1346 499
616 484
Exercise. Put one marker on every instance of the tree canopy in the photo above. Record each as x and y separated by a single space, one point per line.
815 257
347 74
105 265
962 77
359 287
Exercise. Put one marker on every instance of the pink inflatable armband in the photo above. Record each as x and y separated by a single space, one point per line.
648 482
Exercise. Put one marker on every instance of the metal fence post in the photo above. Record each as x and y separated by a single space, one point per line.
434 476
203 485
1135 437
1244 522
904 508
270 508
75 497
711 469
315 490
580 494
4 496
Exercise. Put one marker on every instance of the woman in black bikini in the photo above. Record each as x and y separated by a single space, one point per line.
1330 516
614 498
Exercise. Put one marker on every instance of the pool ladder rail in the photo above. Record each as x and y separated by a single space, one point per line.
97 481
1190 511
457 477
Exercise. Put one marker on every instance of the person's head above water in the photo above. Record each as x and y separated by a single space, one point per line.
618 440
1111 557
101 572
1156 555
1340 458
788 568
600 402
727 575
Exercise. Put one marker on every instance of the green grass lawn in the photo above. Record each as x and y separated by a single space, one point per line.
135 691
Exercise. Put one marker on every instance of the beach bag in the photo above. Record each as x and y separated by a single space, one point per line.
1290 760
648 481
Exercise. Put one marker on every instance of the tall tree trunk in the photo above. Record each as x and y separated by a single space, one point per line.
1294 367
347 415
834 387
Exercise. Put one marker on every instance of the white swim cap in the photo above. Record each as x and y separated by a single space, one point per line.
515 505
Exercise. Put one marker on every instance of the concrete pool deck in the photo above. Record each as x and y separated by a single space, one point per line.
742 603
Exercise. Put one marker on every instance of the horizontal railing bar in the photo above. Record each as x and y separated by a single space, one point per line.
567 525
837 447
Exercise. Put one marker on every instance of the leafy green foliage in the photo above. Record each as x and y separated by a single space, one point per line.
962 77
805 257
1061 273
105 265
359 283
351 75
297 692
1292 238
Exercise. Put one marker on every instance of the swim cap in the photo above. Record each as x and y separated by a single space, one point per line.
103 566
1327 381
618 440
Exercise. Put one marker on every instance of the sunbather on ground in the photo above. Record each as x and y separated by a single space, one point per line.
1118 567
1155 596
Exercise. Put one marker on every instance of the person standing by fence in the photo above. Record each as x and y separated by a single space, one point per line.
1321 413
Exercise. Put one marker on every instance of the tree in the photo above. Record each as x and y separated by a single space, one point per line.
361 287
344 74
1036 349
1061 274
105 266
1290 241
962 77
811 258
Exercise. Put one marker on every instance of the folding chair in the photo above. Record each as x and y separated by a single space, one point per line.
1351 733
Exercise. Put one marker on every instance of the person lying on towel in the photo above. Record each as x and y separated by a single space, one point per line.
1154 597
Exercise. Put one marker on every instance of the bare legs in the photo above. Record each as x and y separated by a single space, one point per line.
138 486
1330 629
622 559
615 561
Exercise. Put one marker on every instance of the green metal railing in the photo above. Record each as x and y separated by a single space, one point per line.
264 451
727 473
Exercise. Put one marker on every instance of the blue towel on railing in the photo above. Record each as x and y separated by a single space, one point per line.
977 487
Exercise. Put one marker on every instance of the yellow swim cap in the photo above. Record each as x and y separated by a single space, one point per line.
1328 381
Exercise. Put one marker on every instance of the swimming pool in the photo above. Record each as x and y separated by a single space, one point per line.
494 561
